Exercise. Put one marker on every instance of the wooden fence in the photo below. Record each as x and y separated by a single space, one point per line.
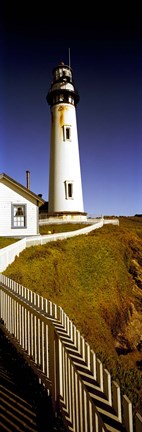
8 254
80 387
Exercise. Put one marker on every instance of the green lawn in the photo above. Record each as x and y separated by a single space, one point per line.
96 278
6 241
66 227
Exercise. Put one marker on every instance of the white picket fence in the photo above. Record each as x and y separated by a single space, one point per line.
80 386
8 254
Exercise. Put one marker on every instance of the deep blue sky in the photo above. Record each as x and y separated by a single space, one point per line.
106 58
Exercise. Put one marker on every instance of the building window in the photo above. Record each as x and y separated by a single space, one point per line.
71 100
67 133
18 216
61 98
68 189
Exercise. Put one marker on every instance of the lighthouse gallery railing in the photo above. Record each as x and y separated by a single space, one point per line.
80 386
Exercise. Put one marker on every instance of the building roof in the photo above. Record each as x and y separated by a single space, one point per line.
38 198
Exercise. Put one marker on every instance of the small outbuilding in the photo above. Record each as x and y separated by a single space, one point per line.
19 209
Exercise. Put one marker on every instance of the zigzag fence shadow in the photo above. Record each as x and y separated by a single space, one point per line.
25 404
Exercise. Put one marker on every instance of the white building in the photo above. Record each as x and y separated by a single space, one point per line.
65 186
19 209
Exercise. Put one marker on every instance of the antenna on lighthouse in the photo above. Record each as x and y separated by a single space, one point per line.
69 58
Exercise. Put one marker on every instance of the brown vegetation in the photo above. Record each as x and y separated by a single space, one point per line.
97 280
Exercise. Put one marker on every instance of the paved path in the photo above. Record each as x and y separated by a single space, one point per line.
25 406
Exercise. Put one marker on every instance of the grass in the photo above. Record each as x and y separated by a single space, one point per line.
56 228
6 241
96 279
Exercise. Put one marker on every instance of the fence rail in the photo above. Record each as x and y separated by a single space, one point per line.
8 254
80 386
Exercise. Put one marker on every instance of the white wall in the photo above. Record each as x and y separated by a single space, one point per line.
64 161
8 197
8 254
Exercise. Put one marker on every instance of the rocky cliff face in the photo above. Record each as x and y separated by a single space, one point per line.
130 339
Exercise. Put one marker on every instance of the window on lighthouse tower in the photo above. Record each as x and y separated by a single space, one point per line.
68 189
67 133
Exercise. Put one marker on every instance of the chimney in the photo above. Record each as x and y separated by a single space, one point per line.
28 179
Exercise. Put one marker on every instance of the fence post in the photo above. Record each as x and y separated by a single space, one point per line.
93 363
87 355
127 414
107 386
138 422
51 361
116 401
59 311
54 366
99 368
82 347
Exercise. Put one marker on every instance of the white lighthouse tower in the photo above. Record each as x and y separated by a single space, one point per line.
65 186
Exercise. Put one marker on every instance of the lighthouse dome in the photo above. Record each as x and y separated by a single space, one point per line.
62 87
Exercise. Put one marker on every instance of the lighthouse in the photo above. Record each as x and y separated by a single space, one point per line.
65 185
